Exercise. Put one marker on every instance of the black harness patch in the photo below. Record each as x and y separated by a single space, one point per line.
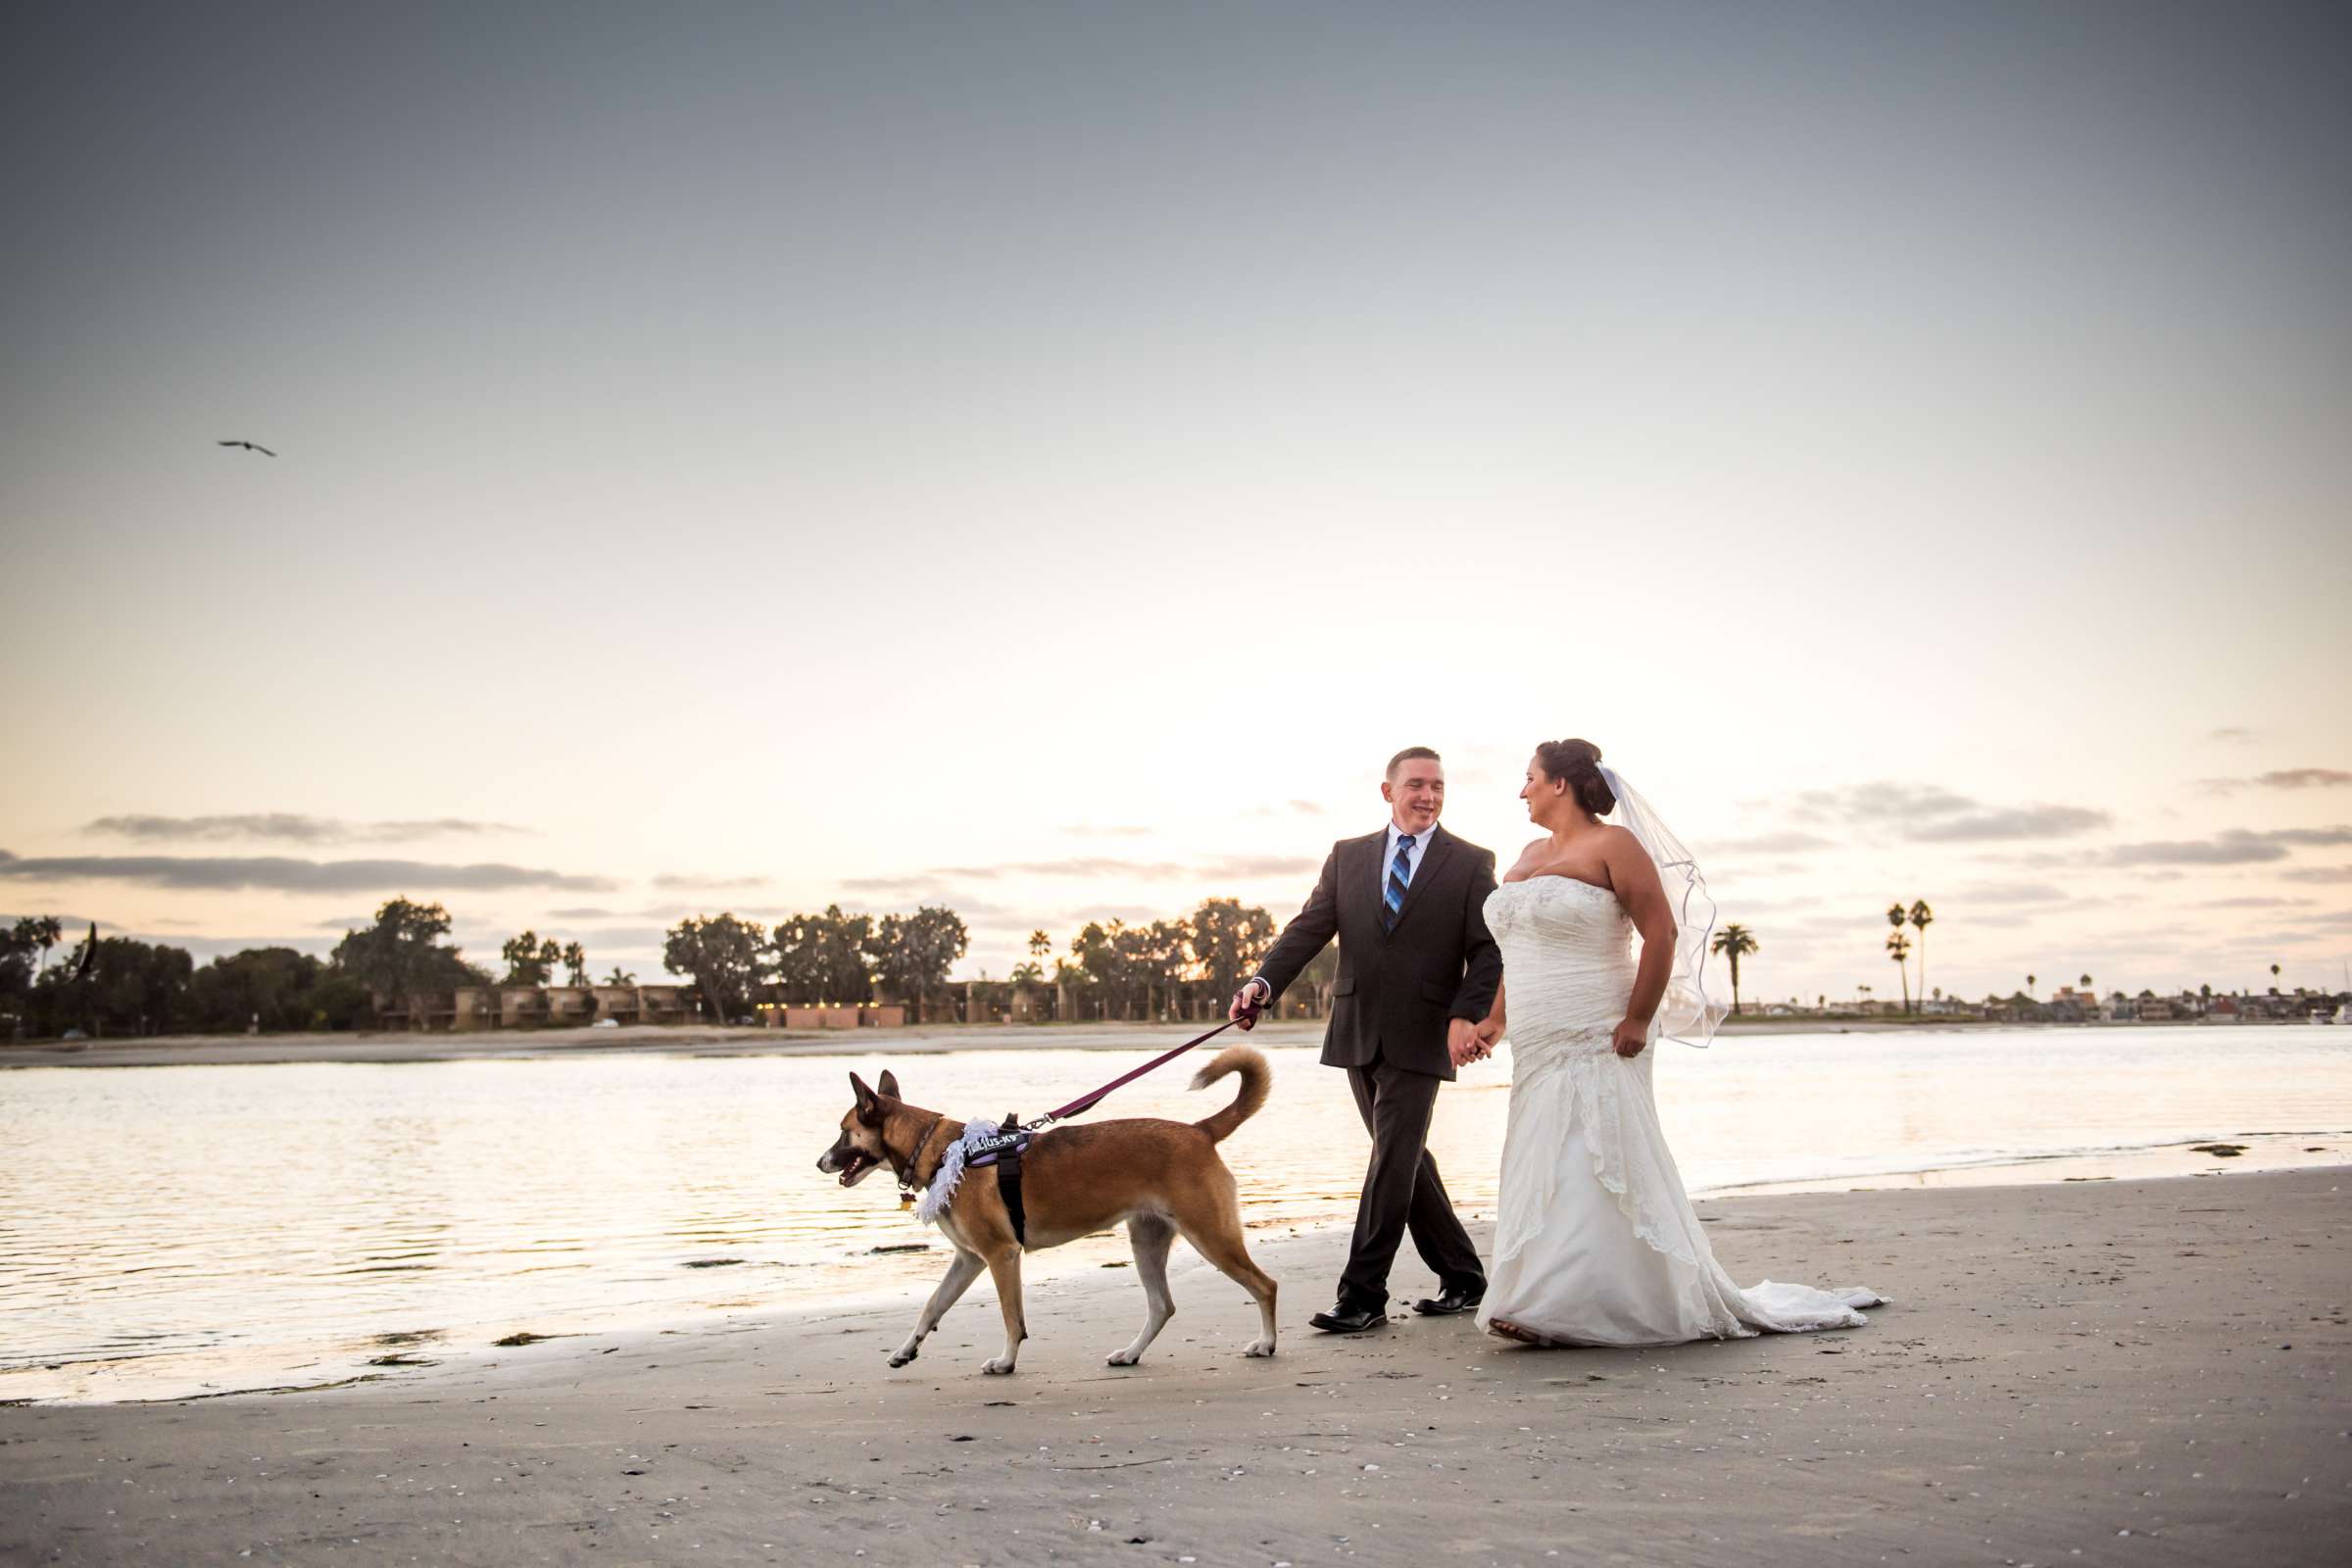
1005 1151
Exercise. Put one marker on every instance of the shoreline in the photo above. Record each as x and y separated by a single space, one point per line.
2143 1372
871 1277
227 1051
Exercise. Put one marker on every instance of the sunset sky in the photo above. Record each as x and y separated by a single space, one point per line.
1042 459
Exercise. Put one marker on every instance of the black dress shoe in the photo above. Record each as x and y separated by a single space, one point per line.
1453 1299
1346 1319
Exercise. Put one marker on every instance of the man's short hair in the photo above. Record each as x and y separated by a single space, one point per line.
1408 754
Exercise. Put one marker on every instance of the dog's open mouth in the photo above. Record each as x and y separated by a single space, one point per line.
855 1164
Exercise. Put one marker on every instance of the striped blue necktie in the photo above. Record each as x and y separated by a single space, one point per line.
1400 876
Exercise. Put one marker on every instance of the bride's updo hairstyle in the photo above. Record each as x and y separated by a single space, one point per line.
1578 764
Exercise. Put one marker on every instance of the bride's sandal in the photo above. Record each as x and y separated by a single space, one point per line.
1505 1329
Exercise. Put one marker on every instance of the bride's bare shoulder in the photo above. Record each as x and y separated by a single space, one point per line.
1529 858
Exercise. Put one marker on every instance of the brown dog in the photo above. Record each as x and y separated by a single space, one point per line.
1163 1178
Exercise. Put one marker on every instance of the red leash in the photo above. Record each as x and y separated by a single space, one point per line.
1087 1102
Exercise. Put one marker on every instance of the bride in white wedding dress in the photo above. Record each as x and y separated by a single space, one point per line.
1594 1241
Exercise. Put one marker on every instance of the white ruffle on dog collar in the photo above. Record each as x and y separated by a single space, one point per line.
950 1175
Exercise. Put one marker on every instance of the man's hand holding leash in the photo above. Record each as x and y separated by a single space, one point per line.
1249 1002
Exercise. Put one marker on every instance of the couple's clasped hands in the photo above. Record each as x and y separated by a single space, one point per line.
1472 1040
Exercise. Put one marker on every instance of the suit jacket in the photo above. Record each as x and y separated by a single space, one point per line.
1396 989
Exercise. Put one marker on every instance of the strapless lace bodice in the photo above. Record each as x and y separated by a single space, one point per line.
1567 962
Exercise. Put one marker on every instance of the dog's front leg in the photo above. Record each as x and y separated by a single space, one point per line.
959 1276
1005 1267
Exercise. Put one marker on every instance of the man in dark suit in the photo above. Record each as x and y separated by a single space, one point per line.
1417 970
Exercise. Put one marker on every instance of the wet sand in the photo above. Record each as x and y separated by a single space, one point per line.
2143 1372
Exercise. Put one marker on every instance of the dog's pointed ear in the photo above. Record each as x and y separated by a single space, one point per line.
869 1106
889 1083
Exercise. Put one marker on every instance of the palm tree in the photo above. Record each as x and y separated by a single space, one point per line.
2085 982
1041 948
2273 979
1896 915
2029 985
620 977
1899 947
1922 918
1733 942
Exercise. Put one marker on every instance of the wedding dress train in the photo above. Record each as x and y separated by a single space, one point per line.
1594 1239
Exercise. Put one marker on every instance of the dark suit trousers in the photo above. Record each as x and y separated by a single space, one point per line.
1401 1189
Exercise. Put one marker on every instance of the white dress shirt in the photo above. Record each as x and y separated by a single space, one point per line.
1412 857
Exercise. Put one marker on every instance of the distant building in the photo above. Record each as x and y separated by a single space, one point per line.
472 1007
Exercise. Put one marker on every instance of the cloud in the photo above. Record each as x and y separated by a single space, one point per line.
2237 847
284 874
1879 802
2015 893
2251 902
1116 830
1231 867
890 886
290 826
2037 822
2318 874
591 914
678 882
2231 733
2324 837
1928 814
1789 843
2285 778
1290 808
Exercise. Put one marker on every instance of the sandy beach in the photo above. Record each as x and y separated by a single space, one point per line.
2142 1372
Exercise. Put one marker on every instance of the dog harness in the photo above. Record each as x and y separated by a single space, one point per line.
982 1142
1005 1151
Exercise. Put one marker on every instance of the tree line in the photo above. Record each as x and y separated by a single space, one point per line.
1108 969
1160 968
827 958
119 986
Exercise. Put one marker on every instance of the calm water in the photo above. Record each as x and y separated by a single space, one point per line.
166 1230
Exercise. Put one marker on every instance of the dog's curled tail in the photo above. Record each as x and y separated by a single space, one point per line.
1258 1081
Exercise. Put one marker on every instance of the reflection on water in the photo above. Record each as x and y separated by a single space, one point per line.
168 1229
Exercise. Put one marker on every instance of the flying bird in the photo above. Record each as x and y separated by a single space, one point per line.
248 446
